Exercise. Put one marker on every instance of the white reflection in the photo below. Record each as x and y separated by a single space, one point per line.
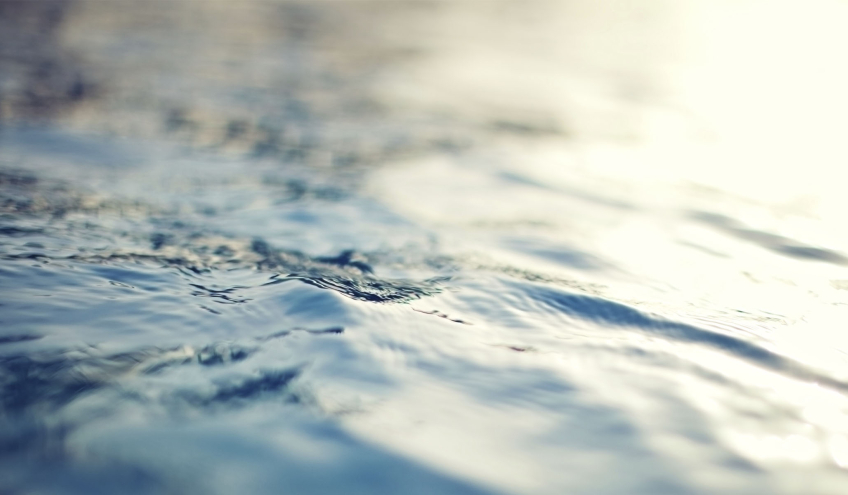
838 446
791 448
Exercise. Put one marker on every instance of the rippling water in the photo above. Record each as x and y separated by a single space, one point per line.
423 247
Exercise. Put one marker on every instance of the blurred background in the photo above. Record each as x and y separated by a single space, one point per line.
542 246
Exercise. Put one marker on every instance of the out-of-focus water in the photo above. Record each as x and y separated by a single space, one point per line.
423 247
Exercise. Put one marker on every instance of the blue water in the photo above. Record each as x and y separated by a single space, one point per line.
347 247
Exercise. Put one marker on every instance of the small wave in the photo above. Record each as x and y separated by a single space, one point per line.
608 313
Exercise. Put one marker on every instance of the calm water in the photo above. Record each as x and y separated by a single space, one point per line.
431 247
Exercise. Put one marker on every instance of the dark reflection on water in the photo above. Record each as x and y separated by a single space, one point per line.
614 314
768 240
40 77
184 246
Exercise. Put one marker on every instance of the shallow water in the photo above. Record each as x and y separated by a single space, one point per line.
429 247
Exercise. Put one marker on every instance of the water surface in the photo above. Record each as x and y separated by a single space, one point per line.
423 247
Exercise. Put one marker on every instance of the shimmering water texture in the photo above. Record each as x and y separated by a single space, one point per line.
429 247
